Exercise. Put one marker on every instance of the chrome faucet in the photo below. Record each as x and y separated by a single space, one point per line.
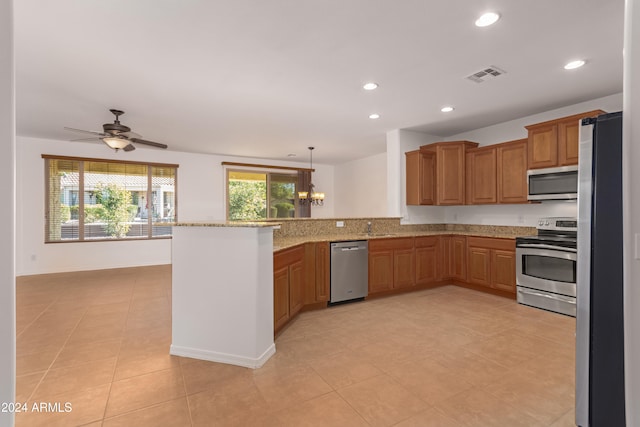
369 227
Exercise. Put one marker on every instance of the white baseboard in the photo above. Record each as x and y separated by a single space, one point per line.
232 359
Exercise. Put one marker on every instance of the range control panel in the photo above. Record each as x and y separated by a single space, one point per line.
558 223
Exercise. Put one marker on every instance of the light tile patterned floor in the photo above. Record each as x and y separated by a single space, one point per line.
442 357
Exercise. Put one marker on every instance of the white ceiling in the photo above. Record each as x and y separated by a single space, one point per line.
266 78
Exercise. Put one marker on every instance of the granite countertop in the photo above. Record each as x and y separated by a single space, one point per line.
257 224
280 243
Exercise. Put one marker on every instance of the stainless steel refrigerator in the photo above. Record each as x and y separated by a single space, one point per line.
600 325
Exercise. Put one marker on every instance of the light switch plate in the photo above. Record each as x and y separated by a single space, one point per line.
339 223
637 246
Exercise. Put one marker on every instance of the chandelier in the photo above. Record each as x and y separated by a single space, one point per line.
311 196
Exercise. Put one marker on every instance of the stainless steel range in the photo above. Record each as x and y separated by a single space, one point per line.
546 266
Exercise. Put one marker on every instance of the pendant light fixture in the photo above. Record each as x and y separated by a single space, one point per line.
311 196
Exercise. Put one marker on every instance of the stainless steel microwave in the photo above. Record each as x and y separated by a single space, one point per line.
553 183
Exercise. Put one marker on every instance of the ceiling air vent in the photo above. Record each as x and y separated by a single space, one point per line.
485 74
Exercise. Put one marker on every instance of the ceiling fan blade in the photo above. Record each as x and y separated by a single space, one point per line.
130 135
85 139
145 142
90 132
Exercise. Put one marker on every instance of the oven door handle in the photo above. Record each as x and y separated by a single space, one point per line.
543 246
546 296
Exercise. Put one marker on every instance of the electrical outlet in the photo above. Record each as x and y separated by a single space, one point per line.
520 219
33 257
339 223
455 217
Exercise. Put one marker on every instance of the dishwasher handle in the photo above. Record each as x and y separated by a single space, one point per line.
349 246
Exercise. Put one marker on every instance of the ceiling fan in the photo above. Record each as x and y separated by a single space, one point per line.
117 135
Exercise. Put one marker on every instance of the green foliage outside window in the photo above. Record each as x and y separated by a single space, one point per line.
116 203
247 200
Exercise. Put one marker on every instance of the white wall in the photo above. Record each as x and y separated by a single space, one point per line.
631 215
7 213
201 186
400 141
362 189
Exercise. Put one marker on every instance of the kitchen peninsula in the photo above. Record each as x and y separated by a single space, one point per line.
222 293
228 298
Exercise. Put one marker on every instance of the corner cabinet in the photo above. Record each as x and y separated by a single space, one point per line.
435 174
555 142
451 258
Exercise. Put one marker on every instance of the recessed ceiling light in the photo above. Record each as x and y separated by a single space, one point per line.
370 86
291 155
574 64
487 19
447 109
374 116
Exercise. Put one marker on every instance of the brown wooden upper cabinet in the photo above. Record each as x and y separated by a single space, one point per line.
481 174
511 159
497 173
421 177
436 173
555 142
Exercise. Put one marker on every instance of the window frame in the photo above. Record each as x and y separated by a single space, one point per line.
81 191
268 172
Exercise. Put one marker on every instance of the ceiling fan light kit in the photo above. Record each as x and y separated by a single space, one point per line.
118 136
115 142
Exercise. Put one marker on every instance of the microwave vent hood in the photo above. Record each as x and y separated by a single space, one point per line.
560 183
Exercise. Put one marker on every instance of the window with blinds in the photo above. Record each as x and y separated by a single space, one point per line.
91 199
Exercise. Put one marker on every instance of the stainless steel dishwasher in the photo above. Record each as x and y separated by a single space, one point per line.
349 271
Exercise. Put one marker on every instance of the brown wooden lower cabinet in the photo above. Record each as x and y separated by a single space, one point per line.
458 258
302 275
492 263
380 270
322 272
479 266
404 275
443 258
391 264
288 284
280 297
451 258
426 259
296 287
503 265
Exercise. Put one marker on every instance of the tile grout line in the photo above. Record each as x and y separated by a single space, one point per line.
37 317
115 369
46 372
186 395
